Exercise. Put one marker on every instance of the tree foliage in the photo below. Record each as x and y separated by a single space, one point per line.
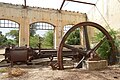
14 34
105 50
34 40
3 39
48 40
74 38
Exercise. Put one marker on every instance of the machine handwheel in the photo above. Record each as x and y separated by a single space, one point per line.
85 53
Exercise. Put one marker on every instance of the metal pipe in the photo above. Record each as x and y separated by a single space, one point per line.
62 5
81 2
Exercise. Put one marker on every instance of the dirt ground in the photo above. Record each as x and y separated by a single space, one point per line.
44 72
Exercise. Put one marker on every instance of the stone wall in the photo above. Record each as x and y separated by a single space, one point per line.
26 16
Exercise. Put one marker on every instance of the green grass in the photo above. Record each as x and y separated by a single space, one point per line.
3 70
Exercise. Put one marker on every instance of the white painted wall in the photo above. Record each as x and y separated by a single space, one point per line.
110 10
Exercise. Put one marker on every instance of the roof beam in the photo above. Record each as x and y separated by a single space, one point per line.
81 2
62 5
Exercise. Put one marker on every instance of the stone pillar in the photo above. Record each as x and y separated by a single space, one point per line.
58 36
58 30
24 30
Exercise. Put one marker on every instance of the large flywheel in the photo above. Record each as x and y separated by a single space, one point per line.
85 53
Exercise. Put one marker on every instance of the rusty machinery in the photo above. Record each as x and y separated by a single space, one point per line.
85 53
19 54
24 54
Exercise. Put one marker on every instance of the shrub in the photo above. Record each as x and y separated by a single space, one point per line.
104 49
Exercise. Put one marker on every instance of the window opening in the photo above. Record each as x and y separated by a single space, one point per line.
43 34
9 33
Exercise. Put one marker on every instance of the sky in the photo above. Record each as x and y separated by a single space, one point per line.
73 6
70 6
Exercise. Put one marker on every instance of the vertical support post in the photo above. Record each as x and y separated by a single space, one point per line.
87 43
24 3
39 45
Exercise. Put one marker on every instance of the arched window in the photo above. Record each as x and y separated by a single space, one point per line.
8 24
9 31
74 37
67 27
42 32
